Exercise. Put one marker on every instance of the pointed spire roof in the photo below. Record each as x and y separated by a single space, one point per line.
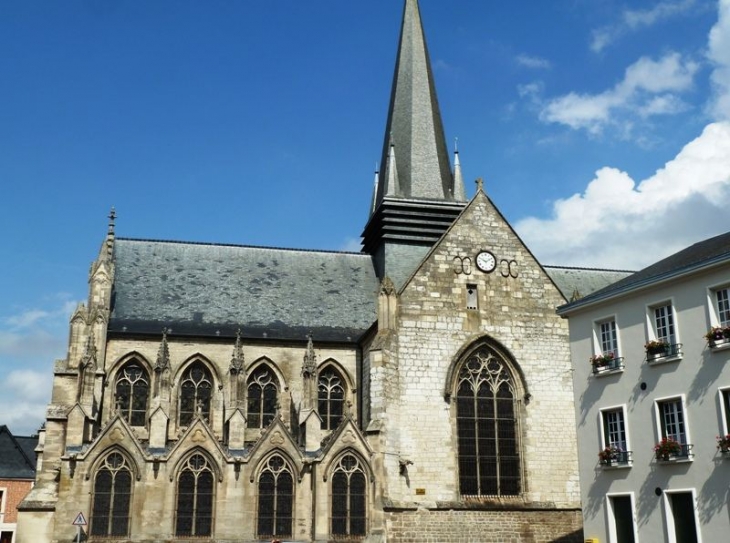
414 125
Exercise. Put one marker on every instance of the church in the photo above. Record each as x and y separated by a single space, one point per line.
419 390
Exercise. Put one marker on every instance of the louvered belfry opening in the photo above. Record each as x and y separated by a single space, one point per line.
488 426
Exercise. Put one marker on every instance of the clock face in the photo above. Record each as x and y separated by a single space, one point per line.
486 261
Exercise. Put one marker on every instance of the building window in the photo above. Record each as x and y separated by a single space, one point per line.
725 409
608 337
196 388
621 512
331 398
276 500
349 498
132 392
722 299
487 426
472 297
194 512
664 324
672 425
614 429
262 398
111 498
681 517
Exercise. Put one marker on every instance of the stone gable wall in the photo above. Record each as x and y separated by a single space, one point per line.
434 325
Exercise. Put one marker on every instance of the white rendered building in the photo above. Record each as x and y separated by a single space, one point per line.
645 373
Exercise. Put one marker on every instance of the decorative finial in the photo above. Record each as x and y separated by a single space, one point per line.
110 233
309 368
456 144
237 359
163 354
480 184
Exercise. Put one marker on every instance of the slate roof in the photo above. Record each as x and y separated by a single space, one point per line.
206 289
699 255
583 281
17 455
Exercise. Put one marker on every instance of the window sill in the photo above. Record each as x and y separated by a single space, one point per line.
663 359
717 347
676 460
615 465
607 371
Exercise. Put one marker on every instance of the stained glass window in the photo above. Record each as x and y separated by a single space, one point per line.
196 389
331 398
112 497
132 391
262 398
276 500
194 511
349 498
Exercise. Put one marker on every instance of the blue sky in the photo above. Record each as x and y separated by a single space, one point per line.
600 128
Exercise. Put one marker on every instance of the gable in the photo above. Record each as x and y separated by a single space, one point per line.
517 281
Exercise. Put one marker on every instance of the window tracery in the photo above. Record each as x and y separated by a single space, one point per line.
132 392
349 498
276 499
196 390
194 510
111 497
331 397
487 426
262 396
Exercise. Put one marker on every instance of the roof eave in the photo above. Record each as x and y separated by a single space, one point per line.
589 301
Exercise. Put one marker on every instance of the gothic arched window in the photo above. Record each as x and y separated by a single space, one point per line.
262 398
349 498
487 426
111 500
194 512
132 392
331 398
196 388
276 500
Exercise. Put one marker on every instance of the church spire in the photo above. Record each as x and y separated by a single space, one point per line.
417 196
414 131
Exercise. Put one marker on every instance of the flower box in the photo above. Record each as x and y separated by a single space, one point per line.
669 450
723 444
614 457
606 363
718 335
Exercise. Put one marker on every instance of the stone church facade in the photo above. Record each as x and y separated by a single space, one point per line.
420 390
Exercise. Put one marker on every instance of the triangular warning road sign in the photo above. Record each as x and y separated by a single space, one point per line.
79 520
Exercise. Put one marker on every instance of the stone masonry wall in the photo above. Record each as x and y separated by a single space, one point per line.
516 308
484 527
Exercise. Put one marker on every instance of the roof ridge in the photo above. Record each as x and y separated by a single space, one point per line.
241 246
586 268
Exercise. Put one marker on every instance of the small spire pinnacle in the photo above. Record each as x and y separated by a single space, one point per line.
237 359
392 187
374 202
458 190
163 353
309 368
110 233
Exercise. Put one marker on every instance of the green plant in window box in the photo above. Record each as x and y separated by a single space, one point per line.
718 333
667 447
601 360
609 454
656 346
723 443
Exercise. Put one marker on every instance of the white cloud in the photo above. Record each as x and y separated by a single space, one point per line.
533 62
617 223
30 341
634 20
663 10
635 94
719 55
